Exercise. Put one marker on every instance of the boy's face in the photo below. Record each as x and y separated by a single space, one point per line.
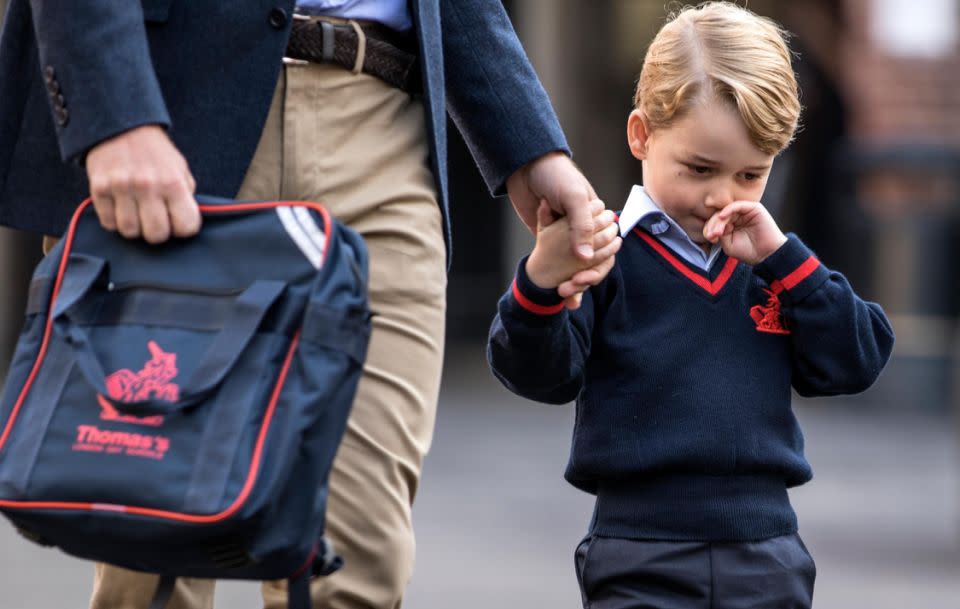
699 164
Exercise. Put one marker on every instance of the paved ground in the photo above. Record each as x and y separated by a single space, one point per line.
496 523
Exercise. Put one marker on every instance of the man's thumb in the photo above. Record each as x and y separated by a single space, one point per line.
581 231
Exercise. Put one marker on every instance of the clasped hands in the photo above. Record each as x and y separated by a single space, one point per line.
744 229
551 192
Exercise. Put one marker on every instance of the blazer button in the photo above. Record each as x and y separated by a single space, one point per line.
278 18
49 74
53 87
63 117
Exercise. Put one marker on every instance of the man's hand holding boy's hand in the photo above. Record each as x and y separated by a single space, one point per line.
552 262
746 231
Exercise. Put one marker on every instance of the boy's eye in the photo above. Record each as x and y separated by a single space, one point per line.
699 169
751 177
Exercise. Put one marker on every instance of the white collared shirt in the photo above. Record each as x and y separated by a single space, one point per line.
641 210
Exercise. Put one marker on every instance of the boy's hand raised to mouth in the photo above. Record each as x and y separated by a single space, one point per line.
746 231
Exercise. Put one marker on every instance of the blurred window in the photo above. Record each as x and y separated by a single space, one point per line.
915 28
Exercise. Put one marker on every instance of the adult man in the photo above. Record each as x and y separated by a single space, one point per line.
149 102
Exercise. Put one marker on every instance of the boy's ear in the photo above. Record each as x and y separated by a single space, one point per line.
637 134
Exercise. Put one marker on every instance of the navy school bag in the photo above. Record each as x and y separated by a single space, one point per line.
176 409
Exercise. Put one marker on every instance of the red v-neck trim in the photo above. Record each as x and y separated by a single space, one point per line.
711 287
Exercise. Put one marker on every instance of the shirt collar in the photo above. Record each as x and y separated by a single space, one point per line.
641 210
639 205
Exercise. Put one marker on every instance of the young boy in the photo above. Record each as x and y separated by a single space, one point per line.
682 359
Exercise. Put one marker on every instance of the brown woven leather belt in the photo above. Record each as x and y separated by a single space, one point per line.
386 54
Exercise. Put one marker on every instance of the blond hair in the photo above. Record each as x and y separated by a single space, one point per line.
740 57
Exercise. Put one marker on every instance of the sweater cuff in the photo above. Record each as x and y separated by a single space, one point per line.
533 298
792 269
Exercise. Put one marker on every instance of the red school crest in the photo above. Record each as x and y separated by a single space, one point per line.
151 381
768 316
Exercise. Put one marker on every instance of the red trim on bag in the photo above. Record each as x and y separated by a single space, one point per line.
307 564
264 426
180 516
68 241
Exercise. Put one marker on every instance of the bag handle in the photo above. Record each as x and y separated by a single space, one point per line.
245 317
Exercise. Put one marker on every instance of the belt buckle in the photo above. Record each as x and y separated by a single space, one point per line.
290 60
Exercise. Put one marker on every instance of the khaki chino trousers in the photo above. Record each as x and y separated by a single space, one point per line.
359 146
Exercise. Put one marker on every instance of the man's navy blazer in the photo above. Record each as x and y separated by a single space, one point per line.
75 73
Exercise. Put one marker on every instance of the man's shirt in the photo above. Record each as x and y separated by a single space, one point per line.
391 13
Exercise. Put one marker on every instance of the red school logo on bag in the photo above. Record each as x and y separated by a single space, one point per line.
152 381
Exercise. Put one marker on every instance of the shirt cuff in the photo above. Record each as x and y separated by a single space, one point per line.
533 298
792 269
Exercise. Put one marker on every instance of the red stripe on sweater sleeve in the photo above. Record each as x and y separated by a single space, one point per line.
533 307
802 272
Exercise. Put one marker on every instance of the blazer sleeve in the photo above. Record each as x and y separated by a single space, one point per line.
840 342
493 94
536 347
97 70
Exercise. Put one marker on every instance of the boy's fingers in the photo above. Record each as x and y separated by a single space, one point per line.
708 228
604 237
597 207
735 209
570 287
608 250
585 279
714 227
603 220
544 215
719 229
573 302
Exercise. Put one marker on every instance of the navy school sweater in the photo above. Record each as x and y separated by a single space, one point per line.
684 429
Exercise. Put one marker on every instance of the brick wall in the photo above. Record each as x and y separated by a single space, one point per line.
894 98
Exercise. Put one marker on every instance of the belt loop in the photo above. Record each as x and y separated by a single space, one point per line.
328 32
361 46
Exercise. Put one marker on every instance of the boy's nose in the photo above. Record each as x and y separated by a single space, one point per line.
718 199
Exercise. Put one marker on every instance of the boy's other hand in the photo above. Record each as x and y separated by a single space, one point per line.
552 263
141 186
746 231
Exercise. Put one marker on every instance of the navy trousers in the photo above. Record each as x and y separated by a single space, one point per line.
615 573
